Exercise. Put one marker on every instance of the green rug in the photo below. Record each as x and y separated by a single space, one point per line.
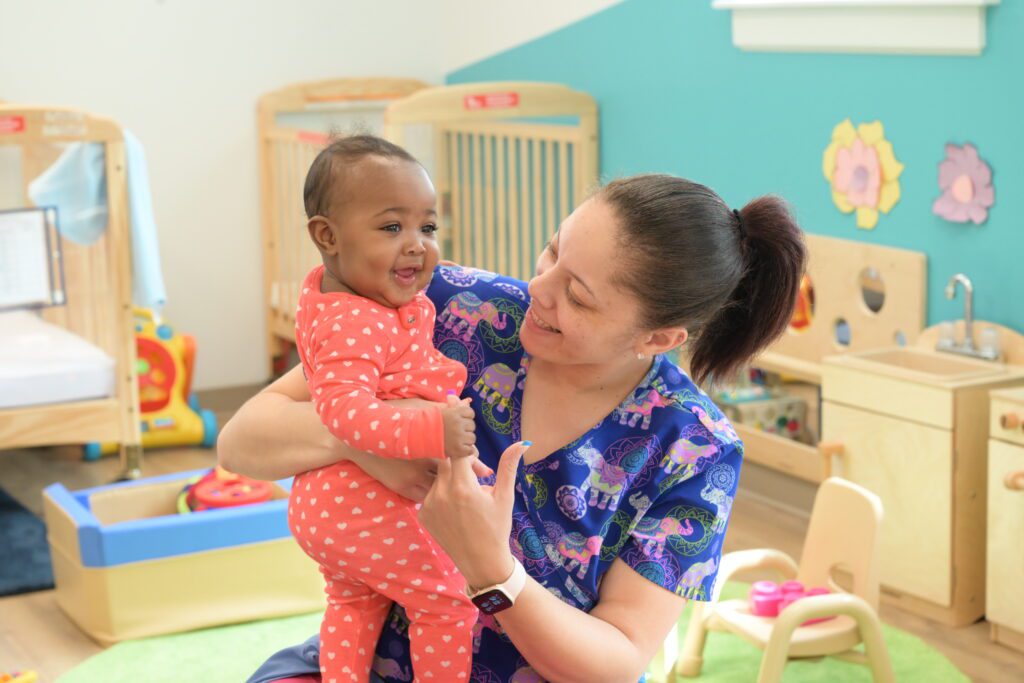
230 654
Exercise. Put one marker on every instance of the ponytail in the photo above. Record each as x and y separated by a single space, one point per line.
761 306
730 277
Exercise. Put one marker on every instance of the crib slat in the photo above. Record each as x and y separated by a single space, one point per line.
465 226
502 224
455 188
563 185
487 231
538 218
478 204
550 205
443 188
525 252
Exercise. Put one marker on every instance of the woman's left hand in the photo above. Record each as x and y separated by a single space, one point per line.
473 522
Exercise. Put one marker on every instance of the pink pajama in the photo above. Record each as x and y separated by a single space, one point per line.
356 354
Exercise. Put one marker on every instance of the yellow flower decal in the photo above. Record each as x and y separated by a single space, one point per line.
863 171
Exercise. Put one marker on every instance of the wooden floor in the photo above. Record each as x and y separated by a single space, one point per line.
34 633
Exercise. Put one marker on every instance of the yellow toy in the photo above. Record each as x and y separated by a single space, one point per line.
171 416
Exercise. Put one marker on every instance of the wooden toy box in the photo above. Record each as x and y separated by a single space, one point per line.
126 565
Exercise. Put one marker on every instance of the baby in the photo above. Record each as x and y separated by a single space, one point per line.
363 330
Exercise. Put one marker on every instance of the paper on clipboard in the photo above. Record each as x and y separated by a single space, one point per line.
26 277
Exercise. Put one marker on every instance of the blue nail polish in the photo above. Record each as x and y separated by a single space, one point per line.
527 443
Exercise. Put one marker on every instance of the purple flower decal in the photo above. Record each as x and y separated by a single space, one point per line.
966 184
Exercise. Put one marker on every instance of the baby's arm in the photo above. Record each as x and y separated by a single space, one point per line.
348 360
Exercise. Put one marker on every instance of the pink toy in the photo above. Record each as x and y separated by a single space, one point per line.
768 598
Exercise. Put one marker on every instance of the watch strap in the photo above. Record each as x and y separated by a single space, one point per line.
511 587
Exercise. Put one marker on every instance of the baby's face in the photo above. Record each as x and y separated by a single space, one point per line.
384 218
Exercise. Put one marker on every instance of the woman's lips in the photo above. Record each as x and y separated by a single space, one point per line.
540 324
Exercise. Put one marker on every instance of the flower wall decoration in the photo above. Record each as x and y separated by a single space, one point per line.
966 184
863 171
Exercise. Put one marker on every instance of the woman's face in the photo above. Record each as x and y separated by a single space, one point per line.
578 314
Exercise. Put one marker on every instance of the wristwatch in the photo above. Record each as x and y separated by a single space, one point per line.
503 595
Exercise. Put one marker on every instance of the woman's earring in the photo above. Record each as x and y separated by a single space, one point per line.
639 356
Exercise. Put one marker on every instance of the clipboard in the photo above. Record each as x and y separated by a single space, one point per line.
31 262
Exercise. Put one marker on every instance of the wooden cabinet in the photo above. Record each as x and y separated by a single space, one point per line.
1005 567
910 467
914 430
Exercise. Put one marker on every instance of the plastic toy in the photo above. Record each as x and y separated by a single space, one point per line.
22 677
219 488
171 415
768 598
803 312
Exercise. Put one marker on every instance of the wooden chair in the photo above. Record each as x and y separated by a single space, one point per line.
843 533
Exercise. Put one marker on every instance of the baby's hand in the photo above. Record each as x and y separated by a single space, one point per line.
459 428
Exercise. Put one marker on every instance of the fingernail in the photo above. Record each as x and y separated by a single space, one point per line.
527 444
451 392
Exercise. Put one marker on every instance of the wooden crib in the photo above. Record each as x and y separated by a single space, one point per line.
98 286
509 160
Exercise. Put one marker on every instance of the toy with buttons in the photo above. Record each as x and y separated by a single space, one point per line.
752 402
219 488
768 599
171 415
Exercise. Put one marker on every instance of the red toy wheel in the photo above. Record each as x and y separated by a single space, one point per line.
216 493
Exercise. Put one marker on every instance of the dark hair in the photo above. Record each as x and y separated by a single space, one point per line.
730 277
316 194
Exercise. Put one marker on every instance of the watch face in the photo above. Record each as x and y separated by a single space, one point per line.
492 601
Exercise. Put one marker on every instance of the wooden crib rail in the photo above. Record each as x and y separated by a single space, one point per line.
311 94
493 100
20 125
97 282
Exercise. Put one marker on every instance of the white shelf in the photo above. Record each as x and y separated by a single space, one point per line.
937 27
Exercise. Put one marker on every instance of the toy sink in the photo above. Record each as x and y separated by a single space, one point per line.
127 565
924 366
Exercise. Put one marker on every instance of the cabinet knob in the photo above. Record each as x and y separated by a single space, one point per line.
827 449
1014 481
1009 420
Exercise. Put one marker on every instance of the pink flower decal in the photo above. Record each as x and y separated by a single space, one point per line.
966 184
863 171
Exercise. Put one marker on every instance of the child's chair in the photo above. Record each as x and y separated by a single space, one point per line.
843 532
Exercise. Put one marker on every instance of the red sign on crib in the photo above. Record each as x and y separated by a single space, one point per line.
492 100
11 124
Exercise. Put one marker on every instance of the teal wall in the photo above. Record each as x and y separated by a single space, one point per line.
675 96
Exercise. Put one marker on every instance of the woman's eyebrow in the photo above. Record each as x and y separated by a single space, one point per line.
554 243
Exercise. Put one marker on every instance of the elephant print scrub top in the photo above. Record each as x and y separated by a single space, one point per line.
652 483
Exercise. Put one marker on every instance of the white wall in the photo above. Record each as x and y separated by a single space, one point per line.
479 28
184 76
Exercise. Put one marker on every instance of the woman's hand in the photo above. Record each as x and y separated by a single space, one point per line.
473 522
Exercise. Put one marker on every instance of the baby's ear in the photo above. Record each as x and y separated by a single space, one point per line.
322 234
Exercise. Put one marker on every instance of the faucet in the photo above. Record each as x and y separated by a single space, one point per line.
967 348
968 344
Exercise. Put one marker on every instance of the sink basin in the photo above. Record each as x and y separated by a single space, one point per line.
930 364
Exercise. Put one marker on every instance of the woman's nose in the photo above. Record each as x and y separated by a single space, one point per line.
539 290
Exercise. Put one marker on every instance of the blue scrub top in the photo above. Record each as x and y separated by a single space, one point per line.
651 484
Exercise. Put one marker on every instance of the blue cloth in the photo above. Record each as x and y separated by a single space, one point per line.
77 185
651 484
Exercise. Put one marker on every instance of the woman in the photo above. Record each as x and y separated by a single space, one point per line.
620 505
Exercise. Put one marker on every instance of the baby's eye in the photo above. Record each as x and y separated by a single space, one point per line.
429 229
393 227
